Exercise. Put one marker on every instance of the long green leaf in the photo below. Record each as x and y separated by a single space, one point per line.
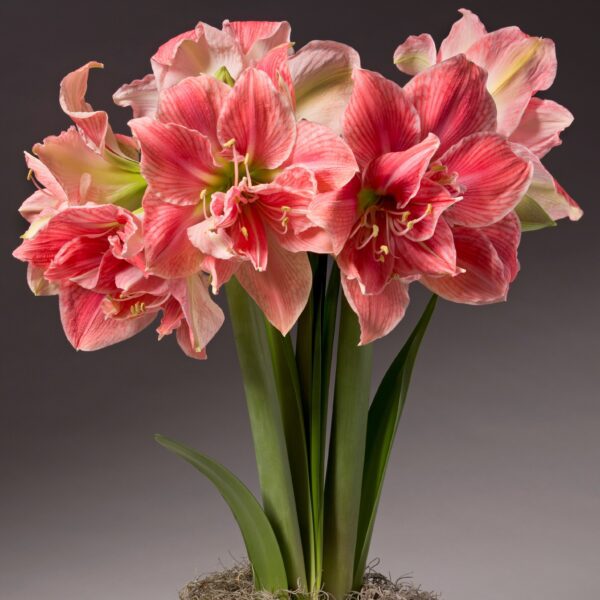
266 422
290 401
384 416
261 544
347 454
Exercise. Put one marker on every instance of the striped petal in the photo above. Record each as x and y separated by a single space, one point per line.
452 101
416 54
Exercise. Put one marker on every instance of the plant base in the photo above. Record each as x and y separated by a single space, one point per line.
236 584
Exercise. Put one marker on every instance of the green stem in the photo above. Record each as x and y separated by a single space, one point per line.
347 453
267 426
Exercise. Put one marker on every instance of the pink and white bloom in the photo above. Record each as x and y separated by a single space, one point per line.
518 66
319 75
430 162
231 175
92 256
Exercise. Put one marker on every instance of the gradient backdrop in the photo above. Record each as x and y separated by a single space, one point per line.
494 487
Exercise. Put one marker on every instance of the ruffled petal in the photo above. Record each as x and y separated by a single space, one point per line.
322 76
281 291
257 38
379 313
276 65
399 174
202 315
176 161
336 213
452 101
168 250
259 119
141 95
464 33
541 125
86 325
195 103
202 50
86 175
491 177
435 256
489 259
324 153
416 54
93 123
379 118
545 191
518 66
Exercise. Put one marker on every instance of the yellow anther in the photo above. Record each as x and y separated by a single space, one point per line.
247 159
29 175
203 194
384 250
229 143
375 230
286 209
244 231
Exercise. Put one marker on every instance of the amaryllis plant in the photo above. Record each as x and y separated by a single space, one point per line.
316 192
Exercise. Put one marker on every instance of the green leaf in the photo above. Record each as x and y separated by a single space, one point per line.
384 416
532 215
267 425
261 544
346 455
290 401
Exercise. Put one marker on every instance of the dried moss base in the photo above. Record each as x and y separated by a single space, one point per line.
236 584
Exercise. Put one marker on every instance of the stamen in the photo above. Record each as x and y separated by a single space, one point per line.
244 231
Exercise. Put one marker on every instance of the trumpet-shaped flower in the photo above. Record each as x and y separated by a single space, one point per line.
318 76
517 67
231 176
431 161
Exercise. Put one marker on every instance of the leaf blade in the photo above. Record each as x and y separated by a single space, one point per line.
259 537
384 416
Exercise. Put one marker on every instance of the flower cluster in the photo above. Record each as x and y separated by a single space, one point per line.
245 156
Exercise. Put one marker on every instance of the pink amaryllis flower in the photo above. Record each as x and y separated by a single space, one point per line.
518 66
231 174
86 163
92 256
431 164
319 74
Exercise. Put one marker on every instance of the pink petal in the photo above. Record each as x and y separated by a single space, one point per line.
93 123
281 291
256 38
45 177
169 252
464 33
41 202
541 125
202 315
434 256
545 191
176 161
140 94
325 154
221 271
275 65
336 213
322 76
38 284
259 119
86 175
379 118
399 174
518 66
211 240
86 325
452 101
195 103
426 207
378 314
416 54
185 339
202 50
489 258
493 179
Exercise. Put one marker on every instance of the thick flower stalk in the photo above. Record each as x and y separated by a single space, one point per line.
316 193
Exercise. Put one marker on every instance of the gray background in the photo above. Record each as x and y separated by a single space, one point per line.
494 489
